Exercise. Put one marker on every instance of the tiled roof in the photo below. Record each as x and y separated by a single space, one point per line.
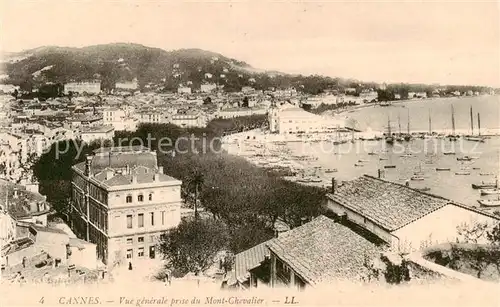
323 251
120 160
247 260
120 179
48 229
20 206
390 205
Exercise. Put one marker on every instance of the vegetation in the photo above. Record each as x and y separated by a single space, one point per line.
470 257
168 69
193 245
246 199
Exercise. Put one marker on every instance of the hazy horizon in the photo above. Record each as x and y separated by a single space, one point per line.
426 42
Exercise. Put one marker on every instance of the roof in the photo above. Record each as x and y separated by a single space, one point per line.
389 205
120 179
79 243
138 148
21 206
97 129
248 260
47 229
322 251
116 159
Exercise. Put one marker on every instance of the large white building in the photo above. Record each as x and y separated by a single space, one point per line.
238 112
293 120
189 120
127 85
119 119
404 218
93 87
122 202
90 134
208 87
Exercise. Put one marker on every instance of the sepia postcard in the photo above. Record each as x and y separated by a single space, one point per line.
249 153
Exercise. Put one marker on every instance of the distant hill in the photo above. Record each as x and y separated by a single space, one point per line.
111 63
123 62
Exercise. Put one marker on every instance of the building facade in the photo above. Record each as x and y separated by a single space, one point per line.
122 202
119 119
81 87
89 134
189 120
405 218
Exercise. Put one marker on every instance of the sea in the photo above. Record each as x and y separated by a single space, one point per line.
420 157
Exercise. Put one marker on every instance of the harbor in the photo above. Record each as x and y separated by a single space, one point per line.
430 161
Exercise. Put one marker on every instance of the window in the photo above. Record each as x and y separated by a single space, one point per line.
163 217
152 218
141 220
129 221
130 240
140 239
140 198
141 252
150 196
129 253
129 199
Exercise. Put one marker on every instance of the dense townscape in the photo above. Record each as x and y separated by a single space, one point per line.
175 168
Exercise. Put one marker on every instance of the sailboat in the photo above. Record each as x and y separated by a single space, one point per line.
430 125
407 137
389 138
339 140
399 138
472 137
453 136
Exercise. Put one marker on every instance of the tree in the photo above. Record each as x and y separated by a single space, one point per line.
245 102
194 184
207 100
193 245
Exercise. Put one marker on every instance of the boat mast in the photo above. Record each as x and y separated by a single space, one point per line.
399 123
430 122
389 126
471 121
478 124
453 120
408 121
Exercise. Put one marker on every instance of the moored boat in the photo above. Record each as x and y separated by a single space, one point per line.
490 191
464 158
484 185
489 202
330 170
442 169
424 189
389 166
447 153
462 173
417 178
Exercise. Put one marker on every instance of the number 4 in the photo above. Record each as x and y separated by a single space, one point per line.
41 301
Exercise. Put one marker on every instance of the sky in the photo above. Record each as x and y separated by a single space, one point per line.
446 42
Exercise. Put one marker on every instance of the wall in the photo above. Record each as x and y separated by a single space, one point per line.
17 257
361 221
85 257
439 226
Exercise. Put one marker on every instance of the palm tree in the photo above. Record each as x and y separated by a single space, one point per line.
194 183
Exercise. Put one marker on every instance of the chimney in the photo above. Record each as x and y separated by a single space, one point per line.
88 163
381 173
334 185
156 177
127 170
160 170
134 178
109 174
